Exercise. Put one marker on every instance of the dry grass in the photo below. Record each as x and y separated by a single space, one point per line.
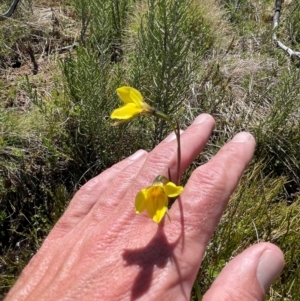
46 30
215 15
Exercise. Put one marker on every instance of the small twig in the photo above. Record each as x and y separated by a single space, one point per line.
178 152
276 18
10 11
66 48
30 52
28 49
257 236
176 130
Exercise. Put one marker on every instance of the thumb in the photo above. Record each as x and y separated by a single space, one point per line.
248 276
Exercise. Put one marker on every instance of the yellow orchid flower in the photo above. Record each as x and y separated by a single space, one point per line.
155 198
133 104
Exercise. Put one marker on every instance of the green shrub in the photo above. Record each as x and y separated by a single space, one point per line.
169 43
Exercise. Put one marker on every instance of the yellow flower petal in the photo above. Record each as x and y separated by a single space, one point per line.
155 198
130 95
159 214
140 201
126 112
157 203
171 190
134 104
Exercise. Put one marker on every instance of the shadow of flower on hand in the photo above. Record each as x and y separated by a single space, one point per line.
157 253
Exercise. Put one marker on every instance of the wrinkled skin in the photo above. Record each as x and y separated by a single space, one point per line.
101 250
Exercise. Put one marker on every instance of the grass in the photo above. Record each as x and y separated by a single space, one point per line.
185 60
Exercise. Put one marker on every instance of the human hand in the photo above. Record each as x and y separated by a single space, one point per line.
101 250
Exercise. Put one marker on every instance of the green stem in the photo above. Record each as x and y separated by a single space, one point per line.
176 130
197 290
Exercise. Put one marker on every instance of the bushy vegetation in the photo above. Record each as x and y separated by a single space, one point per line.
186 57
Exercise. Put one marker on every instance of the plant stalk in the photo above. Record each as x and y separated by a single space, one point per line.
176 130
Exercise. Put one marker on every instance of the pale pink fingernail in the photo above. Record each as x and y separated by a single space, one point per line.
242 137
172 136
137 155
201 118
269 267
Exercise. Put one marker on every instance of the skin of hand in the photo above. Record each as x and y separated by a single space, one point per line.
100 249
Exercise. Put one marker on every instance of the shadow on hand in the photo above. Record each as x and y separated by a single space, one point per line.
158 252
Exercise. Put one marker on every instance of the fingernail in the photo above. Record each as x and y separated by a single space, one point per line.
137 155
268 269
241 137
172 136
201 118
